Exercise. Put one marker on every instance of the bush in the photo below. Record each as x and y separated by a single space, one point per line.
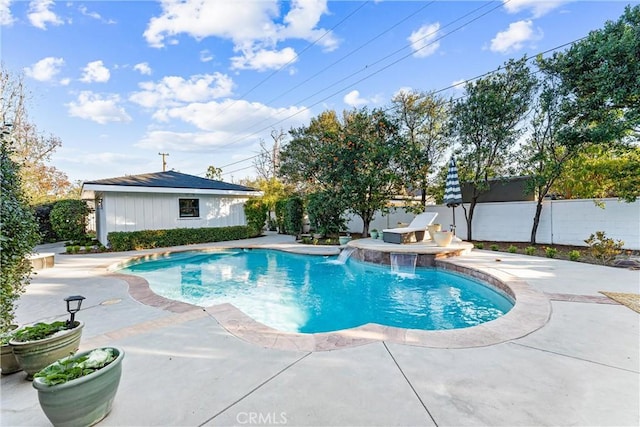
42 213
479 245
602 248
325 213
550 252
255 211
494 247
150 239
19 236
294 210
530 250
512 249
574 255
69 219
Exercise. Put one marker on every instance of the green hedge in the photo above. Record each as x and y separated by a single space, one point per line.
255 211
149 239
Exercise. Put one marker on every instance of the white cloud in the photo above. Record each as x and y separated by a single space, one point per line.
353 99
98 108
45 69
253 26
262 60
175 90
40 14
5 13
234 116
537 7
206 55
514 37
95 72
422 40
143 68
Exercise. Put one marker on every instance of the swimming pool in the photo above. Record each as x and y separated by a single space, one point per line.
309 294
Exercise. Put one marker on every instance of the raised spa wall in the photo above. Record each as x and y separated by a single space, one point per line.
422 260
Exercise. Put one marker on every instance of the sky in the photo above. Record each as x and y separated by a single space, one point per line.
205 81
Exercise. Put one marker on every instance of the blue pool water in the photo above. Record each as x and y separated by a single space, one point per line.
300 293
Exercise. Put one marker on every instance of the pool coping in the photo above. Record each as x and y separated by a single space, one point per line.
531 311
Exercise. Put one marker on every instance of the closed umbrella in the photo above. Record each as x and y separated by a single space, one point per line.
452 192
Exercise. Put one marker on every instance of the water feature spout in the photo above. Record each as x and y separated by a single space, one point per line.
344 255
403 263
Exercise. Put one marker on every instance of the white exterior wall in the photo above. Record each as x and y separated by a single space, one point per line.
121 211
562 222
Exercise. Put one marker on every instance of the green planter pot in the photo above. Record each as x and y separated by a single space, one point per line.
84 401
8 362
343 240
35 355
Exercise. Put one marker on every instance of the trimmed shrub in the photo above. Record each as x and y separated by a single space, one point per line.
512 249
530 250
294 211
150 239
326 213
494 247
255 211
69 219
574 255
42 213
479 245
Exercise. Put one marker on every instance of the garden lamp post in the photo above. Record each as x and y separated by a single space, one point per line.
73 306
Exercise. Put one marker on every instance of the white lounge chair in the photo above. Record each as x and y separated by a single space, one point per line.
414 232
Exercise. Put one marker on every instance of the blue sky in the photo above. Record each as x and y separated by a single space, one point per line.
205 81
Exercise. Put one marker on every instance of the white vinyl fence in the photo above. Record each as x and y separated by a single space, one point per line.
562 222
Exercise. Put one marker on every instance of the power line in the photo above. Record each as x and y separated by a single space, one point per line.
374 73
368 66
433 92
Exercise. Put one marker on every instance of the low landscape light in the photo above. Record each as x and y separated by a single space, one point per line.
73 306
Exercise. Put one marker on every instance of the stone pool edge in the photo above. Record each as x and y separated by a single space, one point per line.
531 311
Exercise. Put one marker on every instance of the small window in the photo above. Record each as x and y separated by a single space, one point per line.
189 208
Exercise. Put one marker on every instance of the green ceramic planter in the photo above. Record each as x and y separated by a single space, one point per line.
84 401
35 355
8 362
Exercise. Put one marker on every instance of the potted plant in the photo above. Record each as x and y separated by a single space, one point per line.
38 345
8 362
79 390
374 233
432 228
344 239
442 238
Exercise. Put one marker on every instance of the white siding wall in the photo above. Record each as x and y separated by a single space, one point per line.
563 222
157 211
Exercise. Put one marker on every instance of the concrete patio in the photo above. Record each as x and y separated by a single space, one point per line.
182 368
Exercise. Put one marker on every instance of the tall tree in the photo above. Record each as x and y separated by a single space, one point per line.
30 148
268 161
600 83
422 121
353 159
486 124
542 155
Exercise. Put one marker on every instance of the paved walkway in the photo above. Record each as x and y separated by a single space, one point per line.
184 369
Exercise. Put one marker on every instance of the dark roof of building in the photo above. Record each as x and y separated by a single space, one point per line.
170 179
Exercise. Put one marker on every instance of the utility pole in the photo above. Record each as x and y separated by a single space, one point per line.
164 162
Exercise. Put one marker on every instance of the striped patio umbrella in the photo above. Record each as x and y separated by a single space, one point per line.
452 192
